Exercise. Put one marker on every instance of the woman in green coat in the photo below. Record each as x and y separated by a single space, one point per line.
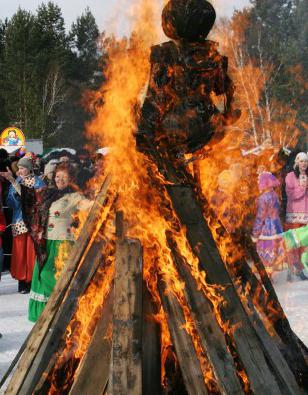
56 223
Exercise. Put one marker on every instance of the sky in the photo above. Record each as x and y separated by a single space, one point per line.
105 11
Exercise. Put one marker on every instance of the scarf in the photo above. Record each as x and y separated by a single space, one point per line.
35 208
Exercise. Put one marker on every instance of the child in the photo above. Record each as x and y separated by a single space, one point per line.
267 223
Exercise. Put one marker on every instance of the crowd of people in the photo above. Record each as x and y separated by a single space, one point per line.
268 228
41 199
268 214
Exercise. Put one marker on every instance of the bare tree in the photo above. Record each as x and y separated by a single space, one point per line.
54 94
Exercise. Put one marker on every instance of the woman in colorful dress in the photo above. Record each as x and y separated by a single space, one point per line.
267 223
60 205
23 250
297 207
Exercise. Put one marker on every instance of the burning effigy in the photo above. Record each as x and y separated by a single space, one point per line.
168 302
179 111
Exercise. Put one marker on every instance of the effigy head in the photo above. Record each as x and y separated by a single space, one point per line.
189 20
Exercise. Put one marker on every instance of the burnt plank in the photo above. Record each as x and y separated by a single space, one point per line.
248 345
40 330
211 336
127 320
151 361
63 317
93 372
185 350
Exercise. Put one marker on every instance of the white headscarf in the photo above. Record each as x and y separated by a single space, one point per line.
299 157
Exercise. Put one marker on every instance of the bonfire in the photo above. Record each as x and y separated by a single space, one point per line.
167 301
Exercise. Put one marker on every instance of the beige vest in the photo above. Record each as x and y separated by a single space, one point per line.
61 214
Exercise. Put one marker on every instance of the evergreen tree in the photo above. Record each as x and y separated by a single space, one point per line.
85 34
18 62
3 117
52 62
44 73
86 72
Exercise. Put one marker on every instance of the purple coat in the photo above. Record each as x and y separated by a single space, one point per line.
267 225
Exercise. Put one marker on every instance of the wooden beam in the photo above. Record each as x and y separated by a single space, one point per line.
211 335
93 371
214 344
126 371
248 345
294 353
40 330
151 360
62 319
187 206
185 351
266 303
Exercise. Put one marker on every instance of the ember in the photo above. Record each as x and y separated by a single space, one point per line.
168 302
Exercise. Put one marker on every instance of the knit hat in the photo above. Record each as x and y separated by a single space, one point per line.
25 162
299 157
267 180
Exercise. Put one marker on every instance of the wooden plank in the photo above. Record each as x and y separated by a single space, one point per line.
185 351
287 382
293 351
188 209
62 319
211 336
151 361
214 344
127 320
93 372
266 303
39 331
249 348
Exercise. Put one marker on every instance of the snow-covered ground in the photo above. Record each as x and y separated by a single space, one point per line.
14 325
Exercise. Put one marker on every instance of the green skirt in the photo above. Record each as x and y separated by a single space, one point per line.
43 285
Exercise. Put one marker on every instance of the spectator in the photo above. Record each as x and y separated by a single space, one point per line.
2 230
297 207
56 228
48 175
23 253
85 171
267 223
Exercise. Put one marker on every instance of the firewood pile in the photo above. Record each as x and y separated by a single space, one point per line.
229 334
260 355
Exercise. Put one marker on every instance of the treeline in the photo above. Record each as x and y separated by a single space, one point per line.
44 71
276 34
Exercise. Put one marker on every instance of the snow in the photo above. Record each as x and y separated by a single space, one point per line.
15 326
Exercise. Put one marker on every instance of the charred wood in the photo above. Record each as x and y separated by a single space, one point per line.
151 361
126 372
42 327
185 351
211 335
93 372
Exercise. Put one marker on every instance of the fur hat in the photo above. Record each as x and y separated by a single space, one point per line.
299 157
